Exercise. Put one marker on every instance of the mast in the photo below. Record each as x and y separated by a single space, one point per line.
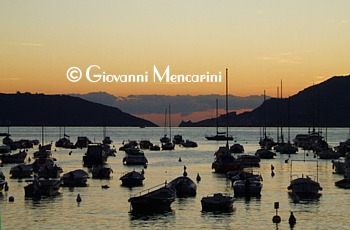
169 123
217 117
227 109
166 114
281 116
264 118
278 111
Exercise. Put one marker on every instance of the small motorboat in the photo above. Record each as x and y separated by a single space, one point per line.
237 148
305 187
5 149
134 156
101 171
129 144
43 152
95 155
168 146
145 144
328 154
217 202
247 188
249 160
3 182
46 168
14 158
188 144
82 142
344 183
154 148
21 171
265 154
132 179
75 178
184 186
42 187
154 201
225 162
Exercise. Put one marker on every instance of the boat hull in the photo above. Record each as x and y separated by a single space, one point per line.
217 202
159 200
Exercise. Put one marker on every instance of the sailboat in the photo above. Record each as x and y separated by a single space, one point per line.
64 141
224 160
168 145
219 136
165 138
266 142
304 187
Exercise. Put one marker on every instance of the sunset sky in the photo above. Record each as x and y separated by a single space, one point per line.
260 42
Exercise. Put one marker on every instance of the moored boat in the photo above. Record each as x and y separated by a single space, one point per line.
21 171
188 144
14 158
265 154
237 148
305 187
158 200
132 179
42 187
217 202
82 142
225 162
135 156
101 171
184 186
95 155
328 154
75 178
249 160
248 187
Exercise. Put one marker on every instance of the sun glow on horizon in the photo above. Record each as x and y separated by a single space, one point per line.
259 42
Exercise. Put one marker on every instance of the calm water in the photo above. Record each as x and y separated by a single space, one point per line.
109 208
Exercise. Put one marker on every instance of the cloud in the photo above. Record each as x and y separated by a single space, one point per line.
10 79
27 44
287 57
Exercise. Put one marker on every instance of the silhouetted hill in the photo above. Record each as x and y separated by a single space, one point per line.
25 109
325 104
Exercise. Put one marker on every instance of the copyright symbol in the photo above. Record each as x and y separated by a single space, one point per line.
73 74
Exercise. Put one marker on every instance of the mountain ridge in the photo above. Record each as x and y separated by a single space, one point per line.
26 109
324 104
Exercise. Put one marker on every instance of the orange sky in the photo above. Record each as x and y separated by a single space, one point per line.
260 42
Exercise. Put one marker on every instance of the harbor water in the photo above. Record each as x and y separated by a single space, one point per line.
109 208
